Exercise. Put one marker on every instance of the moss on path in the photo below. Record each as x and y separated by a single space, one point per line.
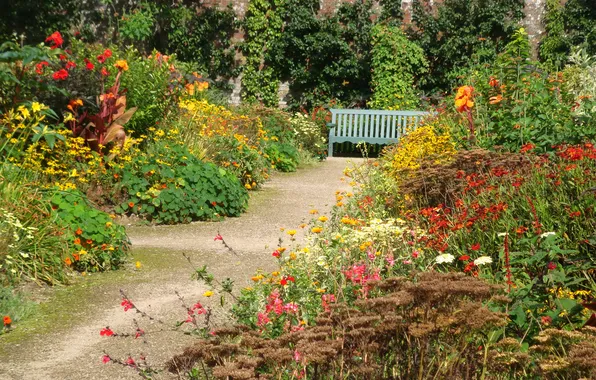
62 341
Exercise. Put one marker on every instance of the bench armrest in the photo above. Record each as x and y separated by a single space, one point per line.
331 125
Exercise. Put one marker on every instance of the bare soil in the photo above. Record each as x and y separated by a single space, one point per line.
63 342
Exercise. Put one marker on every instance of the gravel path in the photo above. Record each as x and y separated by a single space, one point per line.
63 341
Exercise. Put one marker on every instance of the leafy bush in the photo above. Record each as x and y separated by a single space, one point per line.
397 65
169 185
96 243
284 157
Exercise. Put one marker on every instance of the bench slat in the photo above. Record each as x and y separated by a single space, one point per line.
371 126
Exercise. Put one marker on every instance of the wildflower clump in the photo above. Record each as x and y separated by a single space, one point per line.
423 144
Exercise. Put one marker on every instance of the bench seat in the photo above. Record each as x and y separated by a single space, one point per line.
371 126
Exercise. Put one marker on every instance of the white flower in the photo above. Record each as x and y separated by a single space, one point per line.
547 234
483 260
501 234
445 258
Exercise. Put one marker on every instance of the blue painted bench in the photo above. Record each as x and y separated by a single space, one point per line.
370 126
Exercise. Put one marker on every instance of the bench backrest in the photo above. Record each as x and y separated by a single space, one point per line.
371 126
376 124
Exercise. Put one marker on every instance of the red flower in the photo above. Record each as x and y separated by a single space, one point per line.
283 282
551 266
107 53
104 72
62 57
574 214
139 333
60 75
276 253
127 304
70 65
218 237
55 39
464 258
546 320
130 361
527 147
475 247
39 67
7 320
106 332
493 82
88 65
106 359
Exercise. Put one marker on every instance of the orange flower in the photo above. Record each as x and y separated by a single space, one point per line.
79 231
317 230
121 65
7 320
493 82
495 99
76 256
463 99
77 241
68 261
131 204
89 241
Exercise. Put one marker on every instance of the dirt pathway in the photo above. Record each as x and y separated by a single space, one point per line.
63 341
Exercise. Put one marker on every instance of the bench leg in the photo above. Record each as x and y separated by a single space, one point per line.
330 149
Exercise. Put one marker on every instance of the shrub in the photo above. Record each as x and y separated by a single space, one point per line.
424 143
169 185
96 243
397 65
308 135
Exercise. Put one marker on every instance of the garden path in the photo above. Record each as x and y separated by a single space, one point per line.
63 340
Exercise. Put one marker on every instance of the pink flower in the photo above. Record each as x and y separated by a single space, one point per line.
297 356
218 237
551 266
415 254
291 308
106 359
262 319
407 262
130 361
106 332
327 299
390 260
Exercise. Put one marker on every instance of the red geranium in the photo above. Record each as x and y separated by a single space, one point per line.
70 65
55 39
39 67
60 75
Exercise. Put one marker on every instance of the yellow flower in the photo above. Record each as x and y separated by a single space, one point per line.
302 225
321 290
82 252
208 293
292 256
138 264
121 65
323 218
313 212
291 232
257 278
108 224
36 107
316 230
275 274
248 187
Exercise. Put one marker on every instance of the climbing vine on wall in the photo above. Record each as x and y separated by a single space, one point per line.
263 25
397 64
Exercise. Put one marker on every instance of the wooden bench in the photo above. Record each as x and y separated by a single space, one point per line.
370 126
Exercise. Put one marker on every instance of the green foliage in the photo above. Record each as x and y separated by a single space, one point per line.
324 58
169 185
97 243
151 87
391 12
203 37
283 156
459 30
580 24
138 25
553 47
397 64
31 243
263 25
